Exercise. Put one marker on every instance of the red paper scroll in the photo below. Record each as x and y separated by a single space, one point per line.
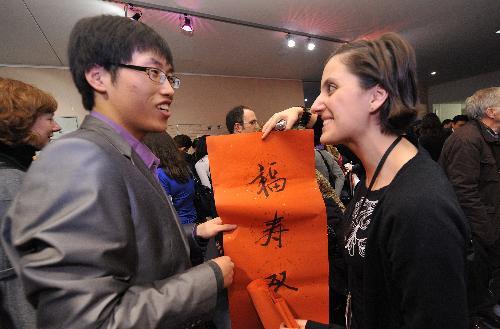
268 188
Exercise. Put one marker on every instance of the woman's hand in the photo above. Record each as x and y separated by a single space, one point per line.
301 323
211 227
290 115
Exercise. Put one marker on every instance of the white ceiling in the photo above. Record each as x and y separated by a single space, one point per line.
456 38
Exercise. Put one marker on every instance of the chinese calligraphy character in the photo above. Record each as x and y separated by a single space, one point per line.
276 184
277 283
274 230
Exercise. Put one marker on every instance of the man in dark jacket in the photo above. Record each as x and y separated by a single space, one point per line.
471 160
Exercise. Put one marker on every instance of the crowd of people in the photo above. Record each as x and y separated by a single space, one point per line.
111 226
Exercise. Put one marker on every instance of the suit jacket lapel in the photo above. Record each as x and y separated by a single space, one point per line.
139 164
103 129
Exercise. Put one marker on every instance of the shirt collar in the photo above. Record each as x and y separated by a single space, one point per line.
488 133
149 159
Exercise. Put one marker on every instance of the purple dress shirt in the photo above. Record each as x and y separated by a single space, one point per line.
150 160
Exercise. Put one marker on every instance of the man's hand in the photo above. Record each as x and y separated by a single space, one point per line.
211 227
227 268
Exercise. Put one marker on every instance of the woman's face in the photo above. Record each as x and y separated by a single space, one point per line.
342 104
44 127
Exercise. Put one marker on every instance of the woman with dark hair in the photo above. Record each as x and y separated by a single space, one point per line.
432 135
174 175
26 126
405 237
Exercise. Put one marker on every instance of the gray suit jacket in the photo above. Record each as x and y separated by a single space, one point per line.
97 244
15 311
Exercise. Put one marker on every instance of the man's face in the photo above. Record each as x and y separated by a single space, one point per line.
250 123
137 103
495 115
44 127
458 124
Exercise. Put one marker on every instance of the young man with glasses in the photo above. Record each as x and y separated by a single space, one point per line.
95 240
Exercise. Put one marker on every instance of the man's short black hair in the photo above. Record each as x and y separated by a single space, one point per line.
234 116
102 40
445 122
183 141
460 117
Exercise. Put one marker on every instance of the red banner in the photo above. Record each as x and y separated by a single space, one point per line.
268 188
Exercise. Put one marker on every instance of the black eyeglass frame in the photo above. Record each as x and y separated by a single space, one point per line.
174 81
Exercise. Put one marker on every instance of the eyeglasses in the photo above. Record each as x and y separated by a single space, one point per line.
252 123
154 74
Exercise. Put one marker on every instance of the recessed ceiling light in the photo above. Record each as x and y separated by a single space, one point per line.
310 44
186 24
289 41
498 32
433 73
305 99
132 12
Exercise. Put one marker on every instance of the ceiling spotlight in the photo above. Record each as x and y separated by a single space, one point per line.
497 32
186 24
305 99
289 41
310 44
433 73
132 12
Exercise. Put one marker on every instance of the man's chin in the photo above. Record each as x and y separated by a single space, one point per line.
160 127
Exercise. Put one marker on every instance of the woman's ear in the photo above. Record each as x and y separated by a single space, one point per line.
378 97
96 76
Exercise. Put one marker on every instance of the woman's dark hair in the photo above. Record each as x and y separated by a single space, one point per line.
106 40
20 105
164 147
201 148
388 61
431 125
183 141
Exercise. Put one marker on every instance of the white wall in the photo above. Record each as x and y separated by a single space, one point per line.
57 82
447 111
202 101
457 91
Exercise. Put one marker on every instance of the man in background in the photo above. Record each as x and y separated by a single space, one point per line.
471 160
241 119
458 121
184 144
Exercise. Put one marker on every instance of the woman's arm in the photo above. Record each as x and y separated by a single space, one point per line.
291 116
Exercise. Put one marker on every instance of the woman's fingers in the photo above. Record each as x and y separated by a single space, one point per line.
270 124
290 117
227 227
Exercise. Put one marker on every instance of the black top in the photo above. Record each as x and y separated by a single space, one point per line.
434 143
355 245
19 156
415 254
